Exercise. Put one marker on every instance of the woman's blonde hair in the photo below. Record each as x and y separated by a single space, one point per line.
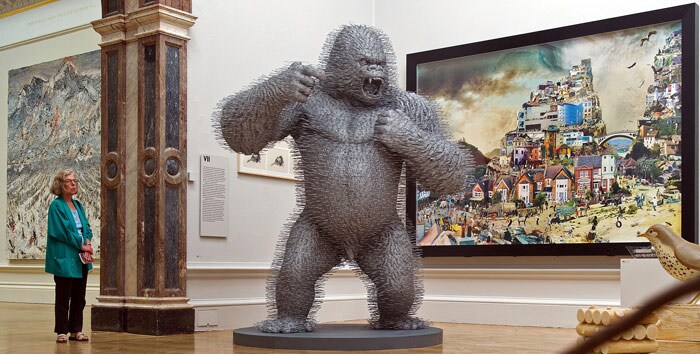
58 179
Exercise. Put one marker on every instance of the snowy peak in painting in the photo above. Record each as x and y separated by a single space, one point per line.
69 80
54 112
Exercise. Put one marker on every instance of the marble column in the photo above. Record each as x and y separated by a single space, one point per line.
143 167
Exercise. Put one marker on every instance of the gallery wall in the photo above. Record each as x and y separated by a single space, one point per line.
244 41
46 33
233 44
236 43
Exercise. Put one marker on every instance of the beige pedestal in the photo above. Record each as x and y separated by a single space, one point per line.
679 324
679 329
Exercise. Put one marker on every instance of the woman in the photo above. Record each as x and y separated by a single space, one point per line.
68 242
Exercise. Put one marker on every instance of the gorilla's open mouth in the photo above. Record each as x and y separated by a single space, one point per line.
372 87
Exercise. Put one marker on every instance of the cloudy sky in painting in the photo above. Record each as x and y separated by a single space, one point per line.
481 94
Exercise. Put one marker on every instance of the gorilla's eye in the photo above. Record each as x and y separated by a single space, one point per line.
364 62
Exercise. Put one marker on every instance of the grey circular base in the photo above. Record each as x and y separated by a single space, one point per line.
339 337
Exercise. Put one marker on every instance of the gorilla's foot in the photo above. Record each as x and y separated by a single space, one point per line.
286 325
403 323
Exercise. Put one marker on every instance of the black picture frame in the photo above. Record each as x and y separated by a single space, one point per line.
686 16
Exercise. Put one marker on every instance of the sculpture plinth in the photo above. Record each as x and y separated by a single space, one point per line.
339 337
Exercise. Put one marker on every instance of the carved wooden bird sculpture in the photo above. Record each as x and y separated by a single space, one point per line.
677 256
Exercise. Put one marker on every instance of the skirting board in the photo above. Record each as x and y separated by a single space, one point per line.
29 283
217 315
544 298
508 296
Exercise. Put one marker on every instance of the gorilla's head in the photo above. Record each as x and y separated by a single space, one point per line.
359 65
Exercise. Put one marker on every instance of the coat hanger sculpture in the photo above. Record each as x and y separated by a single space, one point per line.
354 130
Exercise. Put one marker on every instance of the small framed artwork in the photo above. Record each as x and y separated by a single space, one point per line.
276 162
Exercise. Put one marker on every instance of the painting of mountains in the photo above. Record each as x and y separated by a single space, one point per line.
53 123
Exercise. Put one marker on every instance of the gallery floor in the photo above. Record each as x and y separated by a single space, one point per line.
26 329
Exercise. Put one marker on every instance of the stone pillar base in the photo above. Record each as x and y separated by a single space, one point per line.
149 321
160 321
143 315
110 319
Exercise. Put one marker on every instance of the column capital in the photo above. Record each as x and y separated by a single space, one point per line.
143 22
112 29
158 19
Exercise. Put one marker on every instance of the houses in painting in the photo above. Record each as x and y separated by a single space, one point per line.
559 145
555 182
503 188
481 192
594 173
627 167
570 102
558 183
528 185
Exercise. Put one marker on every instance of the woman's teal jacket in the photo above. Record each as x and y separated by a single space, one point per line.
63 242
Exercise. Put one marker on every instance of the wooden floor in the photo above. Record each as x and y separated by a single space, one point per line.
27 329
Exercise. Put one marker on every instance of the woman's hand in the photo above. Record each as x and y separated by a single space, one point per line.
86 248
86 257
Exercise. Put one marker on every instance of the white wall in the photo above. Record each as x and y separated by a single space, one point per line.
255 39
43 34
235 42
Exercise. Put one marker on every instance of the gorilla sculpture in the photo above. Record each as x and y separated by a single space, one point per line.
353 129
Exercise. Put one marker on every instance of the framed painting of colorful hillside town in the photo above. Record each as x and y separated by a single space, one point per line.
582 136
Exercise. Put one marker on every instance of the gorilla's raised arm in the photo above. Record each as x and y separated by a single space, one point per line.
415 132
251 119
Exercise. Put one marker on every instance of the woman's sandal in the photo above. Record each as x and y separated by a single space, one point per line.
80 337
61 338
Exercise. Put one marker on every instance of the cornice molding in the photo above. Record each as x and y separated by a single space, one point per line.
112 29
46 36
144 22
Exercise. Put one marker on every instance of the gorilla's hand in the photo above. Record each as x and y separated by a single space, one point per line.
297 81
395 130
